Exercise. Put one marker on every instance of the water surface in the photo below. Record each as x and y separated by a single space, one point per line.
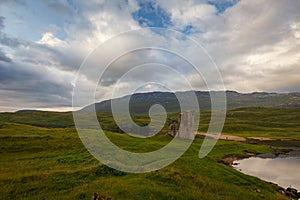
284 171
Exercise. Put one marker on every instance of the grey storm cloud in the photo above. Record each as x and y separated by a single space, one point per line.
61 8
4 58
37 83
2 22
61 58
141 57
7 40
12 2
10 41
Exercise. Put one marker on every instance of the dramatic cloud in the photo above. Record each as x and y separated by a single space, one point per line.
255 44
3 57
1 22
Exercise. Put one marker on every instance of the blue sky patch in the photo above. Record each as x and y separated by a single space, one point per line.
151 15
187 29
222 5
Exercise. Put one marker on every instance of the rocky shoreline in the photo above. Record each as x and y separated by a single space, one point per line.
228 160
292 193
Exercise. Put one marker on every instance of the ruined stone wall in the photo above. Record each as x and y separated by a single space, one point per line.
186 125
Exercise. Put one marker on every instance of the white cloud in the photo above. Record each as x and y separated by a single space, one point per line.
191 12
49 39
253 39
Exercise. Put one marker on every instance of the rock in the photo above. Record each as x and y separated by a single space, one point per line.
281 190
228 160
249 154
291 190
97 196
257 190
176 173
262 196
173 128
292 196
292 193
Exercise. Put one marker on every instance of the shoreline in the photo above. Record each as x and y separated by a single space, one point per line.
289 192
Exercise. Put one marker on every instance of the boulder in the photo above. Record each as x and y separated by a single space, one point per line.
292 193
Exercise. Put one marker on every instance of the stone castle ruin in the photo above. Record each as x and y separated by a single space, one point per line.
183 128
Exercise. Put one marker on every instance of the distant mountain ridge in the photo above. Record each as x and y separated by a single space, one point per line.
141 102
28 111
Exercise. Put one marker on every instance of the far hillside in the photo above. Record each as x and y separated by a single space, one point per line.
141 102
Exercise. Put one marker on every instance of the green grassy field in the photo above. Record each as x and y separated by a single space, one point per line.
246 122
42 157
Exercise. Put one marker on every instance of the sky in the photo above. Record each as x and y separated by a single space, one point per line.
254 43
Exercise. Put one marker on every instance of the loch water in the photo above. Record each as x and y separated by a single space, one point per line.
281 170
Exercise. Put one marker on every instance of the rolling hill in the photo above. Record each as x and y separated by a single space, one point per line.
141 102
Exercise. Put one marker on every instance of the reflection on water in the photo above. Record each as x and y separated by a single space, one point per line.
284 171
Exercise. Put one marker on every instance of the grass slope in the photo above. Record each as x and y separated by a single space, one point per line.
52 163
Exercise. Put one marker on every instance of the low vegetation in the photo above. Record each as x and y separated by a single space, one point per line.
42 157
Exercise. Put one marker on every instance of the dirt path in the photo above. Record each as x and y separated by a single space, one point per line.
224 137
261 138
